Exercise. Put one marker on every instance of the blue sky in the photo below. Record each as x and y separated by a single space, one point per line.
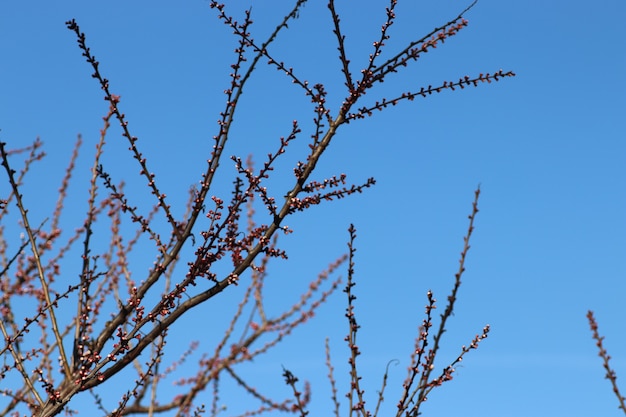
547 147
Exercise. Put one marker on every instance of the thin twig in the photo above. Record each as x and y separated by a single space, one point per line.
42 279
610 373
451 301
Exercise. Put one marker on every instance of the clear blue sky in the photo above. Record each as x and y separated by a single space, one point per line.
548 148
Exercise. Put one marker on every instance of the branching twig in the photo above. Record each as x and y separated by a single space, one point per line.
451 301
42 279
301 400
